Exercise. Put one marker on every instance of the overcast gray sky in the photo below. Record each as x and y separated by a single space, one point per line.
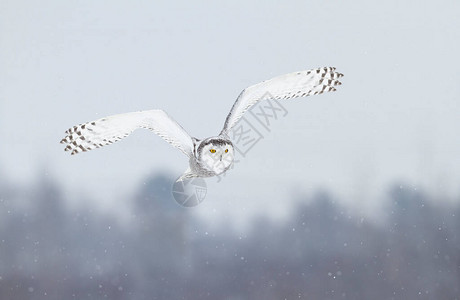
395 117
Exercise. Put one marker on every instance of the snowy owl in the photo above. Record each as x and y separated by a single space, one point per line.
211 156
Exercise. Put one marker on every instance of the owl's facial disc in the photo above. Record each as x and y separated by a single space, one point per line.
216 155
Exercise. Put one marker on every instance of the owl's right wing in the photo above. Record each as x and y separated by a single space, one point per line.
288 86
105 131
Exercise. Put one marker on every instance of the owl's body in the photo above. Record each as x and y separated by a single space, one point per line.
211 156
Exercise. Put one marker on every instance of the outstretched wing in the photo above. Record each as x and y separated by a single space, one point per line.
108 130
292 85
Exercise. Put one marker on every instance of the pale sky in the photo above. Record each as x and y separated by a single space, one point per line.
395 118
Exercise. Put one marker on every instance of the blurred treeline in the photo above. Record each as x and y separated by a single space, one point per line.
323 251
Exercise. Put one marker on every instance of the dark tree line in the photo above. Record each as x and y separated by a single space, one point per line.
48 251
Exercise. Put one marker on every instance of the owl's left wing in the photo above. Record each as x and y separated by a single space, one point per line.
105 131
292 85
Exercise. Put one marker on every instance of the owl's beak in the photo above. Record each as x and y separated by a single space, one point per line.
221 157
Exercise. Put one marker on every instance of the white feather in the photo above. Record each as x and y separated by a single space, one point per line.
111 129
292 85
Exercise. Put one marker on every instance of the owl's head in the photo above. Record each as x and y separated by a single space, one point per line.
215 154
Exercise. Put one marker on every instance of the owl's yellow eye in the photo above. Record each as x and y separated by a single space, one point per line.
213 150
226 150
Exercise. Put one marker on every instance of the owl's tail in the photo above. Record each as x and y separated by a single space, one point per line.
187 175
